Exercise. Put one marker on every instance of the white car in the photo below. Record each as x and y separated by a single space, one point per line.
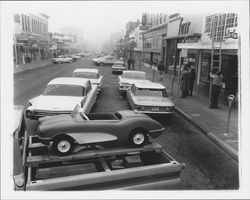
150 98
118 67
106 60
75 58
61 96
129 77
62 59
92 74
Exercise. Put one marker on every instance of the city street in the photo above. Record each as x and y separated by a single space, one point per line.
206 165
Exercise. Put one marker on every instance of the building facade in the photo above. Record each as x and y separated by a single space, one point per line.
31 41
152 38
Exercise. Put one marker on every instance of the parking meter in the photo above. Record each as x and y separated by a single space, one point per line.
230 101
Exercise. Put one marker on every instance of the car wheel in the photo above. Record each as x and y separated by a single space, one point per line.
138 138
101 64
63 145
59 62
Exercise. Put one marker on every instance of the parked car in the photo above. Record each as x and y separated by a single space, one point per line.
129 77
92 74
61 96
106 60
150 98
75 58
121 127
118 67
62 59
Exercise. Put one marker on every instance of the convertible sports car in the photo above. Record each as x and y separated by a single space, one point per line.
61 96
92 74
121 127
129 77
150 98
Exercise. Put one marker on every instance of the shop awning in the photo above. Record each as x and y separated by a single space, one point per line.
207 46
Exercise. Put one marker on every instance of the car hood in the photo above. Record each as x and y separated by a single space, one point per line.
131 81
152 101
54 103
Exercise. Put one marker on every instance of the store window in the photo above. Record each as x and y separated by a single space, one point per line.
204 76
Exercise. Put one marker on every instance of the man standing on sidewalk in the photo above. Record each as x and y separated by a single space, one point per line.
129 63
192 79
185 82
216 87
132 63
161 69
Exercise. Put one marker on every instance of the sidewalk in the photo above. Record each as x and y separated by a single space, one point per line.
30 66
195 109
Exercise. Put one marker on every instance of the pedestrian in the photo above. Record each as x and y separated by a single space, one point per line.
132 63
217 78
129 63
161 69
192 79
185 81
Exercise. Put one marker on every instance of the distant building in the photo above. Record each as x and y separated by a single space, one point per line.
31 41
152 38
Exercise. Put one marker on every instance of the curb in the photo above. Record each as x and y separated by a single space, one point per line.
228 149
26 69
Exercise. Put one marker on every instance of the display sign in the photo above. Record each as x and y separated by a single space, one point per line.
231 33
184 52
144 28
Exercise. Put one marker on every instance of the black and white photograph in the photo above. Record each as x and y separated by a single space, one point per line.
125 99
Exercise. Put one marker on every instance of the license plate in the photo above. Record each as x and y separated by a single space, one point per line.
155 108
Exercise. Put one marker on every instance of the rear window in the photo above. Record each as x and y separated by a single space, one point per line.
134 75
151 92
89 75
64 90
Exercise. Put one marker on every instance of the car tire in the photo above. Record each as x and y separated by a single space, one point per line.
101 64
138 138
63 145
59 62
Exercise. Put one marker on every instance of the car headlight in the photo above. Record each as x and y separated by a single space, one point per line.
139 107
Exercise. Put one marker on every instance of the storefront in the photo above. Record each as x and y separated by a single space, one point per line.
180 29
229 65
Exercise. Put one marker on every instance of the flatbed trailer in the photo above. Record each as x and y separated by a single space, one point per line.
36 167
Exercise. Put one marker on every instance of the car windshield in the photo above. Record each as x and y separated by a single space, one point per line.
90 75
134 75
151 92
64 90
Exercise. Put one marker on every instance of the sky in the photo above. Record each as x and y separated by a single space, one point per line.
99 19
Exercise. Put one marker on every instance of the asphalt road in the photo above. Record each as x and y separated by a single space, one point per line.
207 166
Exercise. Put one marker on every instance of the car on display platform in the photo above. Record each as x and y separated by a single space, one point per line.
124 127
150 98
61 96
129 77
106 60
62 59
118 67
92 74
